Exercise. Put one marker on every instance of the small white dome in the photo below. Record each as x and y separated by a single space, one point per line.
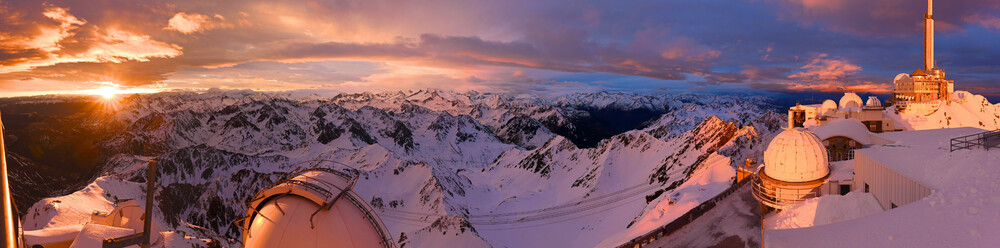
850 100
828 107
873 102
796 155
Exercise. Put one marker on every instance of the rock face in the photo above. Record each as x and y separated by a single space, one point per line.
446 168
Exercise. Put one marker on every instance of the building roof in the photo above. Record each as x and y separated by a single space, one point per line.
918 72
851 128
796 155
850 100
919 155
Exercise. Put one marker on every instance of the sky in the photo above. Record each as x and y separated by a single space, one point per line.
555 46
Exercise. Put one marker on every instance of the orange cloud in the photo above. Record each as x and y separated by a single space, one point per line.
113 45
822 68
194 22
48 40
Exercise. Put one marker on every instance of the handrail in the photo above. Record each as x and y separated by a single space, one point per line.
10 228
973 140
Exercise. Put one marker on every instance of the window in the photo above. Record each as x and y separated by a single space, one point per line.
866 188
850 154
844 189
893 205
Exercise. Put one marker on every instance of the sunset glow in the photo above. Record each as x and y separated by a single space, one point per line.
505 46
107 92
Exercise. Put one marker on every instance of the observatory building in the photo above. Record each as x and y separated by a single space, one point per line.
795 166
923 90
316 208
870 113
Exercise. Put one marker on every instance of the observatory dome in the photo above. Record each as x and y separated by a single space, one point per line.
314 209
828 107
850 100
796 155
873 102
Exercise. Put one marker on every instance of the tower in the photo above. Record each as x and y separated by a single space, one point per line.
926 85
929 37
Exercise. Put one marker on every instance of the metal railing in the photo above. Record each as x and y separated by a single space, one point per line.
10 228
775 197
986 140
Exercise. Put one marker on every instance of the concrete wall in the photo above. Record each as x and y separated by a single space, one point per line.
888 186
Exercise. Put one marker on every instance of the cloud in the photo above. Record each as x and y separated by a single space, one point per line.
822 68
882 18
191 23
113 46
988 21
49 38
489 44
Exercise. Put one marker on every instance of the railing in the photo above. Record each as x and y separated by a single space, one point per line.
774 197
683 220
985 139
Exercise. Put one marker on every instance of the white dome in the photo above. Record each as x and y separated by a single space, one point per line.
796 155
873 102
828 107
850 100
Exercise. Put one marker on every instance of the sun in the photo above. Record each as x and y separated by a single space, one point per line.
107 93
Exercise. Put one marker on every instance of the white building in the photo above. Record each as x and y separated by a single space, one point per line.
871 113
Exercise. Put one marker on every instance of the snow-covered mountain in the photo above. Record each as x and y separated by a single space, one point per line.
445 168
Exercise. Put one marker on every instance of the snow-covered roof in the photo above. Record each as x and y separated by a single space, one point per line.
960 212
851 128
796 155
850 100
913 152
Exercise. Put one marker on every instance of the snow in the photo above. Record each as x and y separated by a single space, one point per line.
93 235
842 170
851 128
428 155
824 210
959 212
735 220
923 156
715 176
964 110
76 208
52 235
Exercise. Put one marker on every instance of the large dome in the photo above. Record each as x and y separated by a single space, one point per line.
796 155
850 100
317 208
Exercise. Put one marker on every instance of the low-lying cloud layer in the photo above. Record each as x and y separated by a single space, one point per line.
774 45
